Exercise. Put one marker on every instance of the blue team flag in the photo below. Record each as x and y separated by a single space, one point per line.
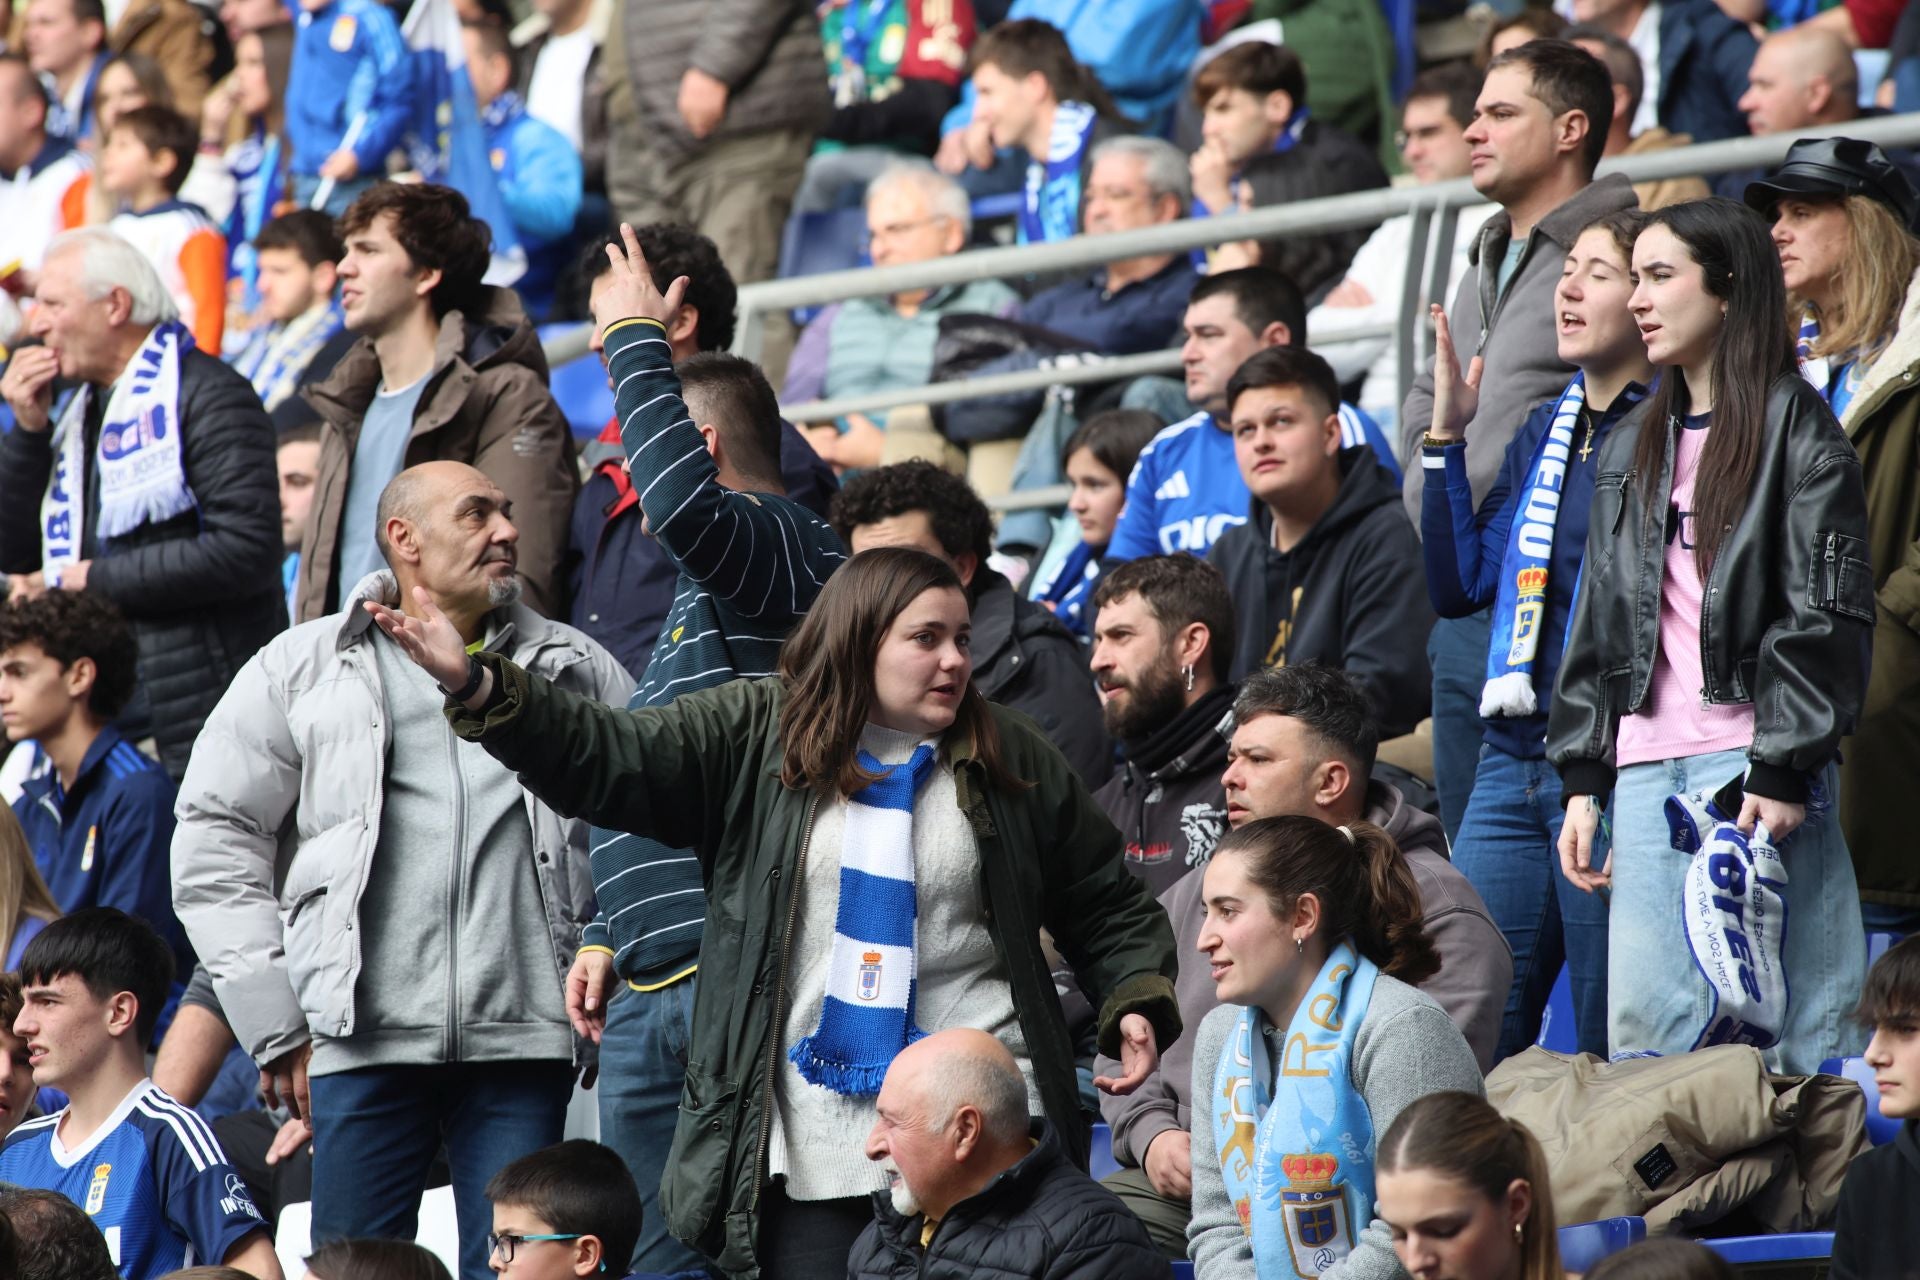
446 140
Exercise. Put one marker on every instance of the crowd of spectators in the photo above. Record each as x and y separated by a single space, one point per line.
850 849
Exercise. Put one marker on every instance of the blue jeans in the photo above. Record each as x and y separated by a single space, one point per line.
643 1070
1507 849
1659 1002
376 1130
1457 650
1879 917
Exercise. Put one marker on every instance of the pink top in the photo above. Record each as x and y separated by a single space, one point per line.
1677 722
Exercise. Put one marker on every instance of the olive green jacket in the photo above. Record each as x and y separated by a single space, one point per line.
704 773
1883 421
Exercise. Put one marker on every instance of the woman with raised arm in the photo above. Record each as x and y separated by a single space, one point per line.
881 848
1719 649
1315 941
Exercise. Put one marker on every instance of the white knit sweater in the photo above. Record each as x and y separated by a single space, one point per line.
819 1137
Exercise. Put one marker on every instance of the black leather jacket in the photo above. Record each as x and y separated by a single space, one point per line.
1787 622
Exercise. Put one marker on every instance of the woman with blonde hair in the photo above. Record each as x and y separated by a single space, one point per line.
1464 1191
1842 213
26 905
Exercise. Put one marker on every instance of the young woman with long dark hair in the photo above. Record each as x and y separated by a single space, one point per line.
881 848
1719 647
1315 940
1465 1192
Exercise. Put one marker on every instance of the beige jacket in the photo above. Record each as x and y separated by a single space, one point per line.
1665 191
1685 1141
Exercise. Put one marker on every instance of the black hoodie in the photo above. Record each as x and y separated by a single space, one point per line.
1351 594
1166 796
1877 1234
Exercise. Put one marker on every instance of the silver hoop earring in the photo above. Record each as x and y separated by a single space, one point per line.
1187 671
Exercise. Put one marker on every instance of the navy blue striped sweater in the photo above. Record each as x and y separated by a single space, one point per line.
750 564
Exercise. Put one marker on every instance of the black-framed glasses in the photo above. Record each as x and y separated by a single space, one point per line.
504 1245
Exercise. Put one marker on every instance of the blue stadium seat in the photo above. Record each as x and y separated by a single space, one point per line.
1880 1129
1786 1246
1585 1243
1004 205
1877 944
1183 1271
580 386
1557 1029
1401 20
813 243
1102 1163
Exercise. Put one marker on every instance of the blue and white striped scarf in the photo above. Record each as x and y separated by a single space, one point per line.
866 1017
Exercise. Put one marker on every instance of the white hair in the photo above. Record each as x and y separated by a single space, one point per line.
1164 165
945 198
107 263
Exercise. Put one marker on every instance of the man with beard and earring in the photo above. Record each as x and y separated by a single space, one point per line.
1162 646
411 994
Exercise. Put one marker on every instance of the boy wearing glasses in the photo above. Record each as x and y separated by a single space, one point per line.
567 1211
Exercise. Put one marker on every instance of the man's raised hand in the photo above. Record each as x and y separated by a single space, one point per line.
630 292
430 640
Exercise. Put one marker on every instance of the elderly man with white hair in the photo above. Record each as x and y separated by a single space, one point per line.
141 469
914 214
977 1187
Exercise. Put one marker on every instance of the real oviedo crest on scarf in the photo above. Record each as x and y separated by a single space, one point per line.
1528 613
870 975
1315 1211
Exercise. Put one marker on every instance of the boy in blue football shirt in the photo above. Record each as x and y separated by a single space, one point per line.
148 1171
97 811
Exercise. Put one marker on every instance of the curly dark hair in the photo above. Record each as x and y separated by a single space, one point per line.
69 626
959 519
55 1240
676 249
437 229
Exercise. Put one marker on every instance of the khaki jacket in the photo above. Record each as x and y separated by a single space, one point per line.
1883 421
177 34
1664 191
486 404
1685 1141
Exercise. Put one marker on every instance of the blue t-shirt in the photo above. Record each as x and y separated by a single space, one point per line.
153 1179
378 457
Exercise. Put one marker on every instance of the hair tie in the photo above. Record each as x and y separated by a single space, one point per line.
1348 833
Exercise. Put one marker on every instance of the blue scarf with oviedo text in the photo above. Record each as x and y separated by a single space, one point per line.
866 1017
1520 604
1051 210
1297 1159
139 465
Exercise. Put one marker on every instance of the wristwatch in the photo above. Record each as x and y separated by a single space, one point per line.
475 674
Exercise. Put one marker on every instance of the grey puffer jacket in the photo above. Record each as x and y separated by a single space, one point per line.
767 53
1512 331
280 813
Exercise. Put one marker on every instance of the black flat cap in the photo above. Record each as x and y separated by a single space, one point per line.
1833 168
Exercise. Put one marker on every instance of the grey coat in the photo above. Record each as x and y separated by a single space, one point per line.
1405 1049
767 52
279 815
1523 365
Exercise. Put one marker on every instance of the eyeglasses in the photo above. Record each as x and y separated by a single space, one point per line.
505 1245
894 230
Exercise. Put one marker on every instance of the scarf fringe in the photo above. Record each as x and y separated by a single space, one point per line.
1509 695
846 1078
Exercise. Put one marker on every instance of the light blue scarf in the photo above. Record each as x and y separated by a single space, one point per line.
139 465
867 1015
1520 605
1300 1173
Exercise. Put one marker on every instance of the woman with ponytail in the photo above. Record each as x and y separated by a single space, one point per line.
1314 936
1464 1191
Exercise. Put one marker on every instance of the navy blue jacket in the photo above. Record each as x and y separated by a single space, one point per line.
1142 316
620 581
1464 549
105 843
1704 60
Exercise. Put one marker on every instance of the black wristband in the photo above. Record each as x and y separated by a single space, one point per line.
475 674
